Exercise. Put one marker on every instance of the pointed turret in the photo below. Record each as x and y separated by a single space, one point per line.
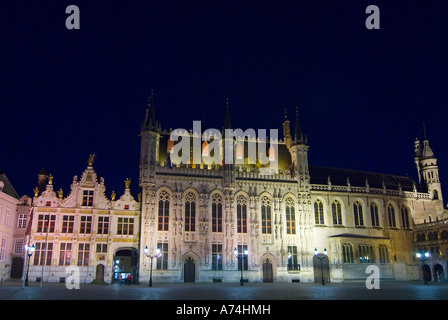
298 135
227 124
150 123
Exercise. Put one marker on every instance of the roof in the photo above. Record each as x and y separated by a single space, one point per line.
7 186
320 175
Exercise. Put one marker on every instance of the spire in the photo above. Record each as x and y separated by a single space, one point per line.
298 135
227 124
150 122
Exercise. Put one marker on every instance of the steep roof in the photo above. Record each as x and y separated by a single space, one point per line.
319 175
7 186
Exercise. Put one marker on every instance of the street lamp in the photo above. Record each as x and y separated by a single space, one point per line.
29 252
151 256
321 257
423 257
241 256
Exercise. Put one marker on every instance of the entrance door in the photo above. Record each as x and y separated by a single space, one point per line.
100 272
321 269
189 270
17 268
268 276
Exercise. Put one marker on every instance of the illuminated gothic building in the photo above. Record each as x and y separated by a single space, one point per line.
197 214
84 229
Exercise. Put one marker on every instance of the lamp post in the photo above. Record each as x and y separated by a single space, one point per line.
321 257
423 257
117 270
151 256
241 256
29 252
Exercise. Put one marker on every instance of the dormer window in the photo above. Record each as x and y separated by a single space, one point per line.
87 198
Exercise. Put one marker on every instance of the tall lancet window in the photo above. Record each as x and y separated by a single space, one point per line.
336 211
405 217
266 216
241 214
271 153
290 216
190 212
216 213
357 213
164 211
391 216
318 212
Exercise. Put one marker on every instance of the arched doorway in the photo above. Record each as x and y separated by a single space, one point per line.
99 273
438 272
321 269
17 268
268 272
426 273
125 263
189 270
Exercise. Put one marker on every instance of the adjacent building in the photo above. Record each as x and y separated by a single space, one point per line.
85 229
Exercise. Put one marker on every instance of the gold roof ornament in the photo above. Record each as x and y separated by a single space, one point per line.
127 183
91 159
36 192
113 195
50 179
60 193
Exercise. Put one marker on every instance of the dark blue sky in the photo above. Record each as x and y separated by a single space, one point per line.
363 94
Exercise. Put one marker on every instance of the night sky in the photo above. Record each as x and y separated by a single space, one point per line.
363 95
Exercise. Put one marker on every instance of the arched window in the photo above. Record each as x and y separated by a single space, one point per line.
318 212
336 212
164 211
444 234
384 254
357 213
405 217
435 195
391 216
347 253
241 214
290 216
374 215
366 254
420 237
266 217
190 212
216 213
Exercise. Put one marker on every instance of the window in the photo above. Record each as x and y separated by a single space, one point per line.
86 225
266 222
101 248
45 223
384 254
241 214
190 212
242 262
216 213
87 198
405 217
162 261
290 216
19 245
83 254
164 211
125 226
67 224
336 212
318 212
216 256
391 216
8 217
43 254
3 249
103 225
374 215
65 254
293 262
21 221
357 212
366 253
347 253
